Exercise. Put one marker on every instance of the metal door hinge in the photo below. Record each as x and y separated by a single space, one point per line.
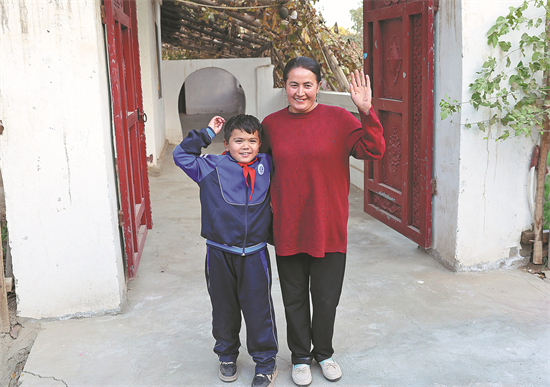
434 187
120 218
103 17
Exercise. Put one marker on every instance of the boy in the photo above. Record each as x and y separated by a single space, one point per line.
236 218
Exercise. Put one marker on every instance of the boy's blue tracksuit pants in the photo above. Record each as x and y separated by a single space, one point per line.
238 283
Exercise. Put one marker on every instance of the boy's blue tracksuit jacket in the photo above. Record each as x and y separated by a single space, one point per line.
236 226
231 220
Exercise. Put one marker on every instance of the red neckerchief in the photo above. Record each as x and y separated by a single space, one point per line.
247 171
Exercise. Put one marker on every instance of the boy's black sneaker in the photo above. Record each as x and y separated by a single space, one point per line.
228 371
264 380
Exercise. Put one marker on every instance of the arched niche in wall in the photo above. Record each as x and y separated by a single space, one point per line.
211 91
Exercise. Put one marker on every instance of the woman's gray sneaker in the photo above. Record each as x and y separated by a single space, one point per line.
301 375
331 370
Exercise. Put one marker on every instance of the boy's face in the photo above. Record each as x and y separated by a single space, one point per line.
242 146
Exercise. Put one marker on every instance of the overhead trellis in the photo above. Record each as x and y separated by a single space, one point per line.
209 29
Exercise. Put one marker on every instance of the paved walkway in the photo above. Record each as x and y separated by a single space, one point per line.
403 320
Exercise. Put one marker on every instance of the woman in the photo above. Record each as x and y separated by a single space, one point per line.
311 144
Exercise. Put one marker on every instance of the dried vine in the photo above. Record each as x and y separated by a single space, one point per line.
205 29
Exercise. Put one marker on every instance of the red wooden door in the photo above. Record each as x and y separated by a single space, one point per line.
127 104
398 46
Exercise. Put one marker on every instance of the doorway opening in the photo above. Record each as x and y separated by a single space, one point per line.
206 93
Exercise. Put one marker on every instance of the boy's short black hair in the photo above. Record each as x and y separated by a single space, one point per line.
248 123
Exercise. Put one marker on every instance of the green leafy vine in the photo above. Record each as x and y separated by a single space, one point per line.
517 94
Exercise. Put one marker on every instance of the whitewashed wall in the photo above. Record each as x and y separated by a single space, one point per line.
255 75
148 12
57 161
481 206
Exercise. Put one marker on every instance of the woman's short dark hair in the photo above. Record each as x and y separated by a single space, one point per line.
249 124
305 63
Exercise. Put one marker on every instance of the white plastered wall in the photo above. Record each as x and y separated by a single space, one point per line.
57 161
255 75
148 12
481 207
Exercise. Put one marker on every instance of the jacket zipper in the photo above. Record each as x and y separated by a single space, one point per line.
245 218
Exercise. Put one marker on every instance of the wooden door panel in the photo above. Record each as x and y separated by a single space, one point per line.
391 35
398 43
127 105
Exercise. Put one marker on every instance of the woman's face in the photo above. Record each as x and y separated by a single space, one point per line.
301 89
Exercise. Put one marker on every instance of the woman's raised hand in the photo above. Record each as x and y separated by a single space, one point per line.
216 123
361 93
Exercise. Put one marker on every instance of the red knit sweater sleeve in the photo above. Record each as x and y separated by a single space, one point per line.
265 146
367 142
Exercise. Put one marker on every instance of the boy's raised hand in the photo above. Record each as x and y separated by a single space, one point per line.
216 123
361 93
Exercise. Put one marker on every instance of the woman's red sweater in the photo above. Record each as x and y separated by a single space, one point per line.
311 178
